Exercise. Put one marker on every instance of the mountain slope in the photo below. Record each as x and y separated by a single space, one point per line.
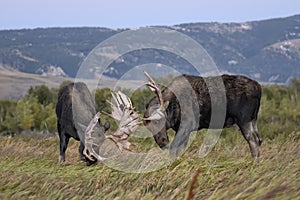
250 48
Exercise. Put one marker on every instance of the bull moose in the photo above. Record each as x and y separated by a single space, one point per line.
74 110
185 105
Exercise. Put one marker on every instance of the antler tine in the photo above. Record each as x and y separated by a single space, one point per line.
153 86
149 77
122 111
88 151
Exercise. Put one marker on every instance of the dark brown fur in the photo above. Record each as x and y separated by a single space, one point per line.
242 106
74 110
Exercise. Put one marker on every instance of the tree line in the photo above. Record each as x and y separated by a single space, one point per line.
35 112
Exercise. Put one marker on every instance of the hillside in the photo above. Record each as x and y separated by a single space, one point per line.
15 84
267 50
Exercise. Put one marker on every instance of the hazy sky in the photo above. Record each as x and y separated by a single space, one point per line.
136 13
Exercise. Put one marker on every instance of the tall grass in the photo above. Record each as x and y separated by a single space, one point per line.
29 170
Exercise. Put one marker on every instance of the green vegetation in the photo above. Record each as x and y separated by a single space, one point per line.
29 168
34 112
279 112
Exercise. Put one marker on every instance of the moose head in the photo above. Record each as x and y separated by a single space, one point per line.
155 116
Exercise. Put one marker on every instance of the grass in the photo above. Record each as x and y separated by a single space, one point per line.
14 85
29 170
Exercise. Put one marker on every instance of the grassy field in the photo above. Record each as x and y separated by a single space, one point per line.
29 170
14 85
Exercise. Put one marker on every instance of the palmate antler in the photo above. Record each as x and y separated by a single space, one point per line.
89 150
122 111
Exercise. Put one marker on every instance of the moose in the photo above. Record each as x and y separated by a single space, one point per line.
186 105
77 118
75 109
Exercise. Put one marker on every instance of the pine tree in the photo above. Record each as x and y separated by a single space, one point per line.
24 115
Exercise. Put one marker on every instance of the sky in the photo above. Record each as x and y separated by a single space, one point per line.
18 14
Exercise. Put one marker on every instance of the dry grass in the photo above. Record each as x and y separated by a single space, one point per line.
29 170
14 85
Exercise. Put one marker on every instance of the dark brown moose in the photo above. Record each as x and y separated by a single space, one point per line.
77 118
185 105
75 109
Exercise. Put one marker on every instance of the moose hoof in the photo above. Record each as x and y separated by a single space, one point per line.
61 159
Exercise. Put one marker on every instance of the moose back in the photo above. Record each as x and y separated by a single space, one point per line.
186 106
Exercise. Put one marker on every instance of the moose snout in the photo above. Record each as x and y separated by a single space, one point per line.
164 147
163 143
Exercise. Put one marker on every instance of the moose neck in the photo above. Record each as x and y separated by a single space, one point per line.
172 111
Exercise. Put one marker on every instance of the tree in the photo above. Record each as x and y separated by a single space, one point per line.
48 122
24 115
43 94
8 124
140 98
295 84
101 97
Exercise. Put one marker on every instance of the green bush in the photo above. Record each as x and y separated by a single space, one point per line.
279 112
8 125
34 112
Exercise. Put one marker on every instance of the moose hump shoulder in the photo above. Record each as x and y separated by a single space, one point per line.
184 113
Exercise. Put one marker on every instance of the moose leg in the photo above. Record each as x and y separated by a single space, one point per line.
81 148
254 124
64 140
251 137
180 141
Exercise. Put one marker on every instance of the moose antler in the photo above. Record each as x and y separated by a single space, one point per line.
122 111
89 151
153 86
158 113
